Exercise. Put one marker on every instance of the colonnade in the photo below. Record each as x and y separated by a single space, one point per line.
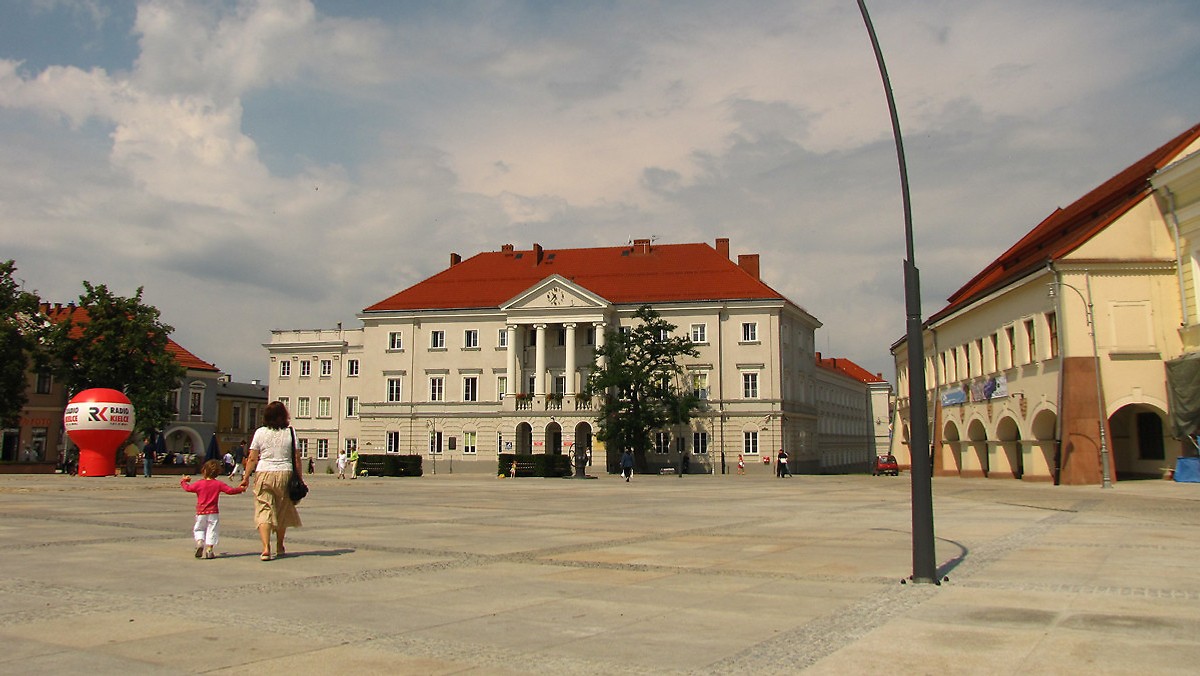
515 383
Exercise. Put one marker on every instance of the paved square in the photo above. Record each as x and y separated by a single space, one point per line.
454 574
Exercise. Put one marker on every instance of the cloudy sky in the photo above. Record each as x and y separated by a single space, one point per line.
258 165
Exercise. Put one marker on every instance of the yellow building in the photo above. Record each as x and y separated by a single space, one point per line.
1048 365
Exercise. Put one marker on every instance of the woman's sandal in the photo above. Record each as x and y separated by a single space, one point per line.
266 556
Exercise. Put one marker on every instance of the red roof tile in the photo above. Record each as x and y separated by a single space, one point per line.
625 275
59 313
848 369
1066 229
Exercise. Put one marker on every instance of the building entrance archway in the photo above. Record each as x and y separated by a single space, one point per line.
1137 442
524 439
975 451
1008 460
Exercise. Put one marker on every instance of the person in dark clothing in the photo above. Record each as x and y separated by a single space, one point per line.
627 464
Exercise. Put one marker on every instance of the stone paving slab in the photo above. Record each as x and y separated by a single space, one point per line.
468 574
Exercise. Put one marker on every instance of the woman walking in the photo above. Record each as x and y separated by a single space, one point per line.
272 454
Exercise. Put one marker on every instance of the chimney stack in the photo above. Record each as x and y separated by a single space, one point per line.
455 259
749 263
507 250
723 246
537 253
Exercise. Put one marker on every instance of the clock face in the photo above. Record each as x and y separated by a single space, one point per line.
555 296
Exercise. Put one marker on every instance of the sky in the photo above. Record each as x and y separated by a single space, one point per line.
283 164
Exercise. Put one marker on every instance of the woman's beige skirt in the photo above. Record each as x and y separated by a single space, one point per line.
271 502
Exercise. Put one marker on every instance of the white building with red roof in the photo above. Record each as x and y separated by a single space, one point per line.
490 356
853 415
1049 365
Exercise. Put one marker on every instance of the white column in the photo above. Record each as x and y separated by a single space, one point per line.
539 362
599 326
570 371
514 383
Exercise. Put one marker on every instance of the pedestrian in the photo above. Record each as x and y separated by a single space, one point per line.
229 464
741 464
208 492
627 464
273 453
683 464
310 466
239 459
353 460
147 457
341 465
781 468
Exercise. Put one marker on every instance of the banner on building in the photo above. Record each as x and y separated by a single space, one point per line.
983 390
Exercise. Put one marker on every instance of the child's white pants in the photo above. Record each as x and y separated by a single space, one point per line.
206 528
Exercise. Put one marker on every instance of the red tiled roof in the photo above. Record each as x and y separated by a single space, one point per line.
59 313
1067 228
848 369
624 275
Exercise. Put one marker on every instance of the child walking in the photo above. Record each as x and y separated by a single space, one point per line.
208 491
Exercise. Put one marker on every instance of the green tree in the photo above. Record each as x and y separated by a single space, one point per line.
120 344
639 376
21 328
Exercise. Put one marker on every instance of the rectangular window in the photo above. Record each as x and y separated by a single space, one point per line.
392 443
322 449
994 352
1011 337
469 443
351 445
44 381
435 442
351 407
561 337
285 401
236 420
699 443
749 386
502 386
394 388
663 335
437 340
750 443
196 403
1052 325
699 333
303 444
395 340
470 339
437 388
749 332
351 368
560 384
252 418
591 335
303 407
305 368
1031 340
285 369
700 385
532 383
471 388
326 368
662 443
38 437
324 407
502 338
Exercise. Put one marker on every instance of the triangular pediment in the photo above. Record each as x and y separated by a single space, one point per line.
555 293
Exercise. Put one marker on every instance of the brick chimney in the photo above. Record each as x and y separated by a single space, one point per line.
537 253
723 246
507 250
749 263
455 259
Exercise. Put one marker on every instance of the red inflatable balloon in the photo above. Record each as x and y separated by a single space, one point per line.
98 420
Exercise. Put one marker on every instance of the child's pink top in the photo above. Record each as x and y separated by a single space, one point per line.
208 491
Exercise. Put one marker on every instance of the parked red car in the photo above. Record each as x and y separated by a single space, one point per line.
885 464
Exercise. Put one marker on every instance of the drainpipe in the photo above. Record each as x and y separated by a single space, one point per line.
1183 306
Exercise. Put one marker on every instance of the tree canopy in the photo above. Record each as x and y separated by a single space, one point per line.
21 329
638 374
121 345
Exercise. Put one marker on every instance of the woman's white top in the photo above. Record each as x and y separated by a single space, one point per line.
274 449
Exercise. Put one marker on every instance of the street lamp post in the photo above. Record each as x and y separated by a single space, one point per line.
1105 467
924 561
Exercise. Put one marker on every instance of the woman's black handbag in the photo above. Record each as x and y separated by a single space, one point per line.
297 489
